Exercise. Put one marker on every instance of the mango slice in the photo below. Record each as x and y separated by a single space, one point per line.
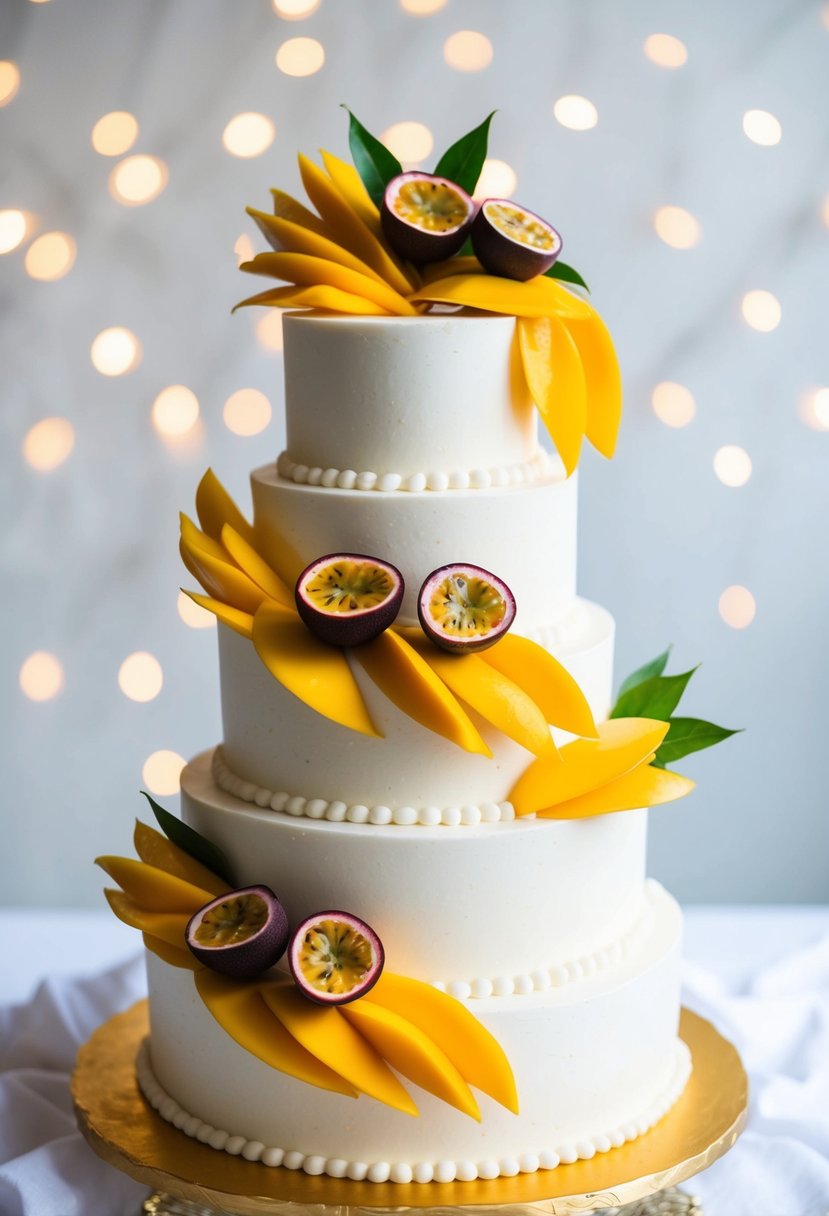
256 568
220 579
316 673
169 926
288 208
241 1011
153 889
478 1057
327 1035
643 786
215 508
492 695
350 185
543 678
237 620
171 955
451 269
286 237
322 298
347 227
156 850
539 297
194 538
556 381
306 271
410 683
412 1053
602 378
587 764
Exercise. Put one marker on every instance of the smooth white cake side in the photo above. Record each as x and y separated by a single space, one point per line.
403 395
595 1062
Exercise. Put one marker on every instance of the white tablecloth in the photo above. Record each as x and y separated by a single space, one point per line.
761 974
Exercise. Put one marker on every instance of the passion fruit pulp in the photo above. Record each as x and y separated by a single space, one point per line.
464 608
239 934
425 218
347 599
513 242
335 957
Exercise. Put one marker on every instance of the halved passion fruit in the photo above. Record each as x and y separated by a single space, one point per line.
464 608
347 599
335 958
240 934
425 218
511 241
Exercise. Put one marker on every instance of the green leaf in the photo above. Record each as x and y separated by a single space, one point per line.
688 735
560 270
657 697
373 161
192 842
646 672
462 163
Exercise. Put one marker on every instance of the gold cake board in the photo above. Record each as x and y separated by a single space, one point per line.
125 1131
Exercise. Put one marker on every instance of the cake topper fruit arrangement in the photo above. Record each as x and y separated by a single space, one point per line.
384 242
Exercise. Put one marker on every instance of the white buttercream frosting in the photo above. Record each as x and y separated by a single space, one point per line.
415 483
402 1172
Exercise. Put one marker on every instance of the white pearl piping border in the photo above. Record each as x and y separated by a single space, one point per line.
340 812
414 483
404 1172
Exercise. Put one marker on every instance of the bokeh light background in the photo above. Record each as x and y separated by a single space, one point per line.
683 151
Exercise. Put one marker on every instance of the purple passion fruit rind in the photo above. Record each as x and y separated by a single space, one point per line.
335 957
240 934
425 218
348 599
512 242
464 609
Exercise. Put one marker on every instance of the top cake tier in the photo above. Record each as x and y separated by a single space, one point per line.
436 398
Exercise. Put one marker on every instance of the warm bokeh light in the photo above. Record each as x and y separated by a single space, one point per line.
140 676
814 409
762 128
193 614
41 676
824 211
48 443
300 57
761 310
497 180
737 606
248 134
269 329
162 772
677 227
577 113
410 142
732 465
243 249
422 8
175 411
9 81
115 351
137 180
673 403
666 51
295 10
115 133
824 13
247 412
50 257
12 229
468 51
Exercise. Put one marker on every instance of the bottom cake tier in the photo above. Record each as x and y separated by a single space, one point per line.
597 1062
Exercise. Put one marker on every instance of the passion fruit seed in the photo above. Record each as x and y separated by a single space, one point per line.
347 599
335 957
512 242
464 608
240 934
425 218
